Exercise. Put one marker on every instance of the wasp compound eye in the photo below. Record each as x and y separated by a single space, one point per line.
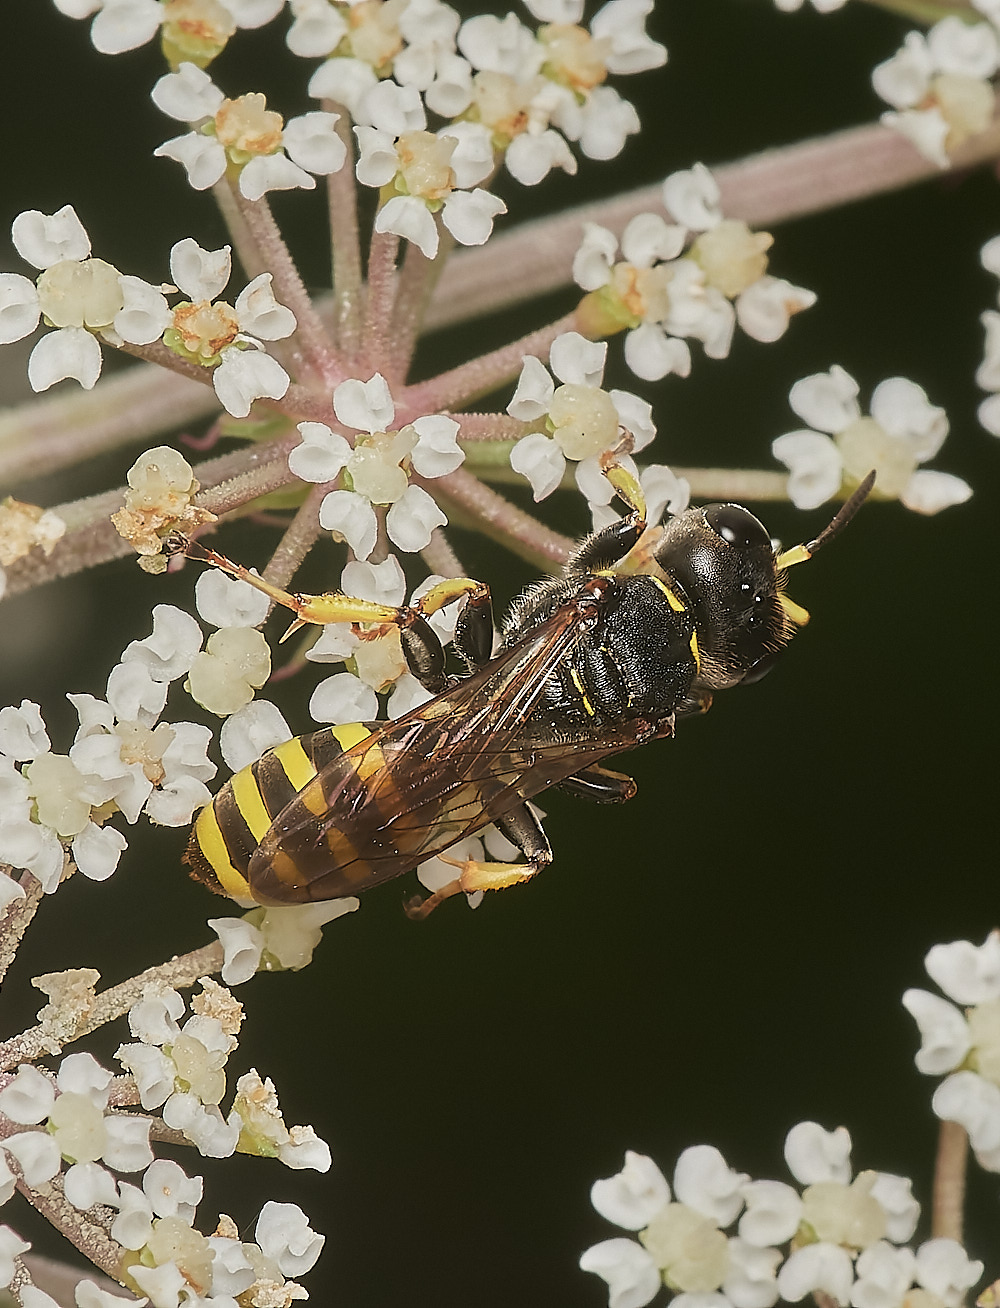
737 526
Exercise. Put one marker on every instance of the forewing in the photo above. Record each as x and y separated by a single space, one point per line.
416 785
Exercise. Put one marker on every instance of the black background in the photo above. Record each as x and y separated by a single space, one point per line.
725 956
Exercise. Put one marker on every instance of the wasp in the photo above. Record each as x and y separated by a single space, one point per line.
643 626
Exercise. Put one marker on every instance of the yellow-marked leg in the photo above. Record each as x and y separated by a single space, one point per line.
475 876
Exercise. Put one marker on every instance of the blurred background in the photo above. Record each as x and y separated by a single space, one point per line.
724 956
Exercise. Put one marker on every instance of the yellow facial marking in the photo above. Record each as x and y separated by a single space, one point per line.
696 653
213 846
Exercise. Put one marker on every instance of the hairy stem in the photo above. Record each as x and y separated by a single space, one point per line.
17 918
342 203
92 1241
310 347
949 1181
381 292
178 972
500 520
771 187
297 541
451 390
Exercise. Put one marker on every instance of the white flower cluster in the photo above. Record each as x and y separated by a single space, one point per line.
180 1069
988 372
939 85
663 293
244 136
121 25
962 1043
122 760
821 6
87 300
576 421
520 94
841 445
845 1238
375 469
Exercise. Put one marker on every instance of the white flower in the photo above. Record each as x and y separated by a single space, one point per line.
967 973
250 732
11 1247
170 1191
823 1267
944 1032
284 1235
814 1154
944 1268
751 1281
632 1276
704 1182
634 1195
904 430
773 1213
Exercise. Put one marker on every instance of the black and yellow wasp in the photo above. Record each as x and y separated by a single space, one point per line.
641 628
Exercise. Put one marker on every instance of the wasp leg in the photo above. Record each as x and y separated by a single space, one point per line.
473 631
600 785
609 545
521 827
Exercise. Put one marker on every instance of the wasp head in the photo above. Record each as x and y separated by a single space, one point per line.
722 559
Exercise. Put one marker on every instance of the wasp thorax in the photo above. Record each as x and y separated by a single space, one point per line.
722 559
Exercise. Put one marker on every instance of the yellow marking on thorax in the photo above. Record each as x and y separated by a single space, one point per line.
578 683
295 762
693 645
251 805
213 846
672 598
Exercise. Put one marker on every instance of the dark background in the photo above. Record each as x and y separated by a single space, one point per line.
725 956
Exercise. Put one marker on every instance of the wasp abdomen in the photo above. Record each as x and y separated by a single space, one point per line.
229 829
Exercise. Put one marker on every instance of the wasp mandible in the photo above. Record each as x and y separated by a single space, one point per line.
642 627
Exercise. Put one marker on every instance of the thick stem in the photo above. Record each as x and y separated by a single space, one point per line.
311 348
297 541
112 1003
771 187
451 390
376 346
500 520
417 280
949 1181
58 431
440 557
93 1242
17 918
247 252
342 202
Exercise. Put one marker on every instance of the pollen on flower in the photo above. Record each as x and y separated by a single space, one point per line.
158 501
71 995
732 256
202 331
374 35
218 1002
572 57
245 126
195 30
23 526
425 164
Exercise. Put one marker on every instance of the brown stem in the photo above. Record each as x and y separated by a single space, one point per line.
250 257
440 557
112 1003
774 186
500 520
92 1241
311 348
451 390
381 292
297 541
17 918
949 1181
342 203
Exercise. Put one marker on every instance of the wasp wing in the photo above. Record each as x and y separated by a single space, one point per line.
416 785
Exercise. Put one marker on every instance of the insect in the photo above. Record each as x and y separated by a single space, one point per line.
642 627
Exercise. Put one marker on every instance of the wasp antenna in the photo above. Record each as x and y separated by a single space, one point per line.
800 553
847 511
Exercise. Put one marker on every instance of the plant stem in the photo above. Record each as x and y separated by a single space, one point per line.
93 1242
771 187
311 348
949 1181
17 918
342 203
381 292
451 390
115 1002
502 521
297 541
